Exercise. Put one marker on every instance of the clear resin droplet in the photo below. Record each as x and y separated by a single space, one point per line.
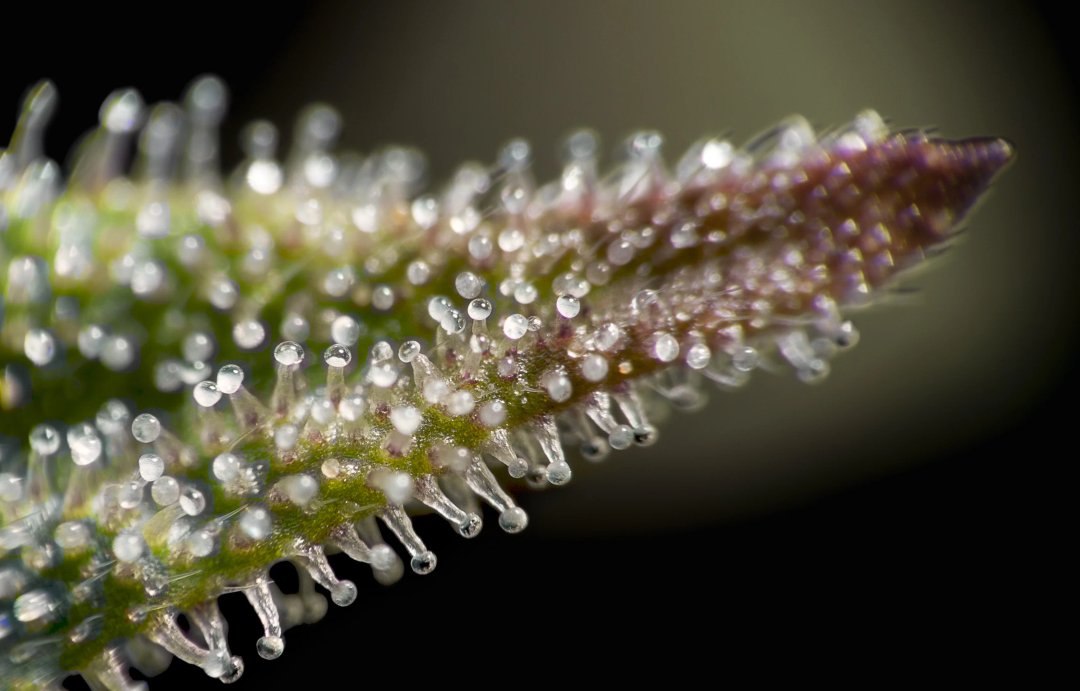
270 647
225 467
408 351
665 347
128 546
493 413
698 356
594 367
255 522
345 330
249 334
145 428
151 466
192 501
480 308
84 443
288 353
515 326
568 306
206 394
405 419
45 440
337 355
39 346
165 490
229 379
513 520
468 284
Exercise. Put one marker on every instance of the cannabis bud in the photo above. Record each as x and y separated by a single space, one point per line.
201 375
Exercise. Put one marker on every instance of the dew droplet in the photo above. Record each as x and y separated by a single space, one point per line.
147 277
423 563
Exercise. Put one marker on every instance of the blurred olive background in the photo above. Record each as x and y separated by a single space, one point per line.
908 489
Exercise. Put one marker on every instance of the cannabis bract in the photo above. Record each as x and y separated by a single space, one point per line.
204 375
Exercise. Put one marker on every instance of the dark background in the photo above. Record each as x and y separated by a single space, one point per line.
910 506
